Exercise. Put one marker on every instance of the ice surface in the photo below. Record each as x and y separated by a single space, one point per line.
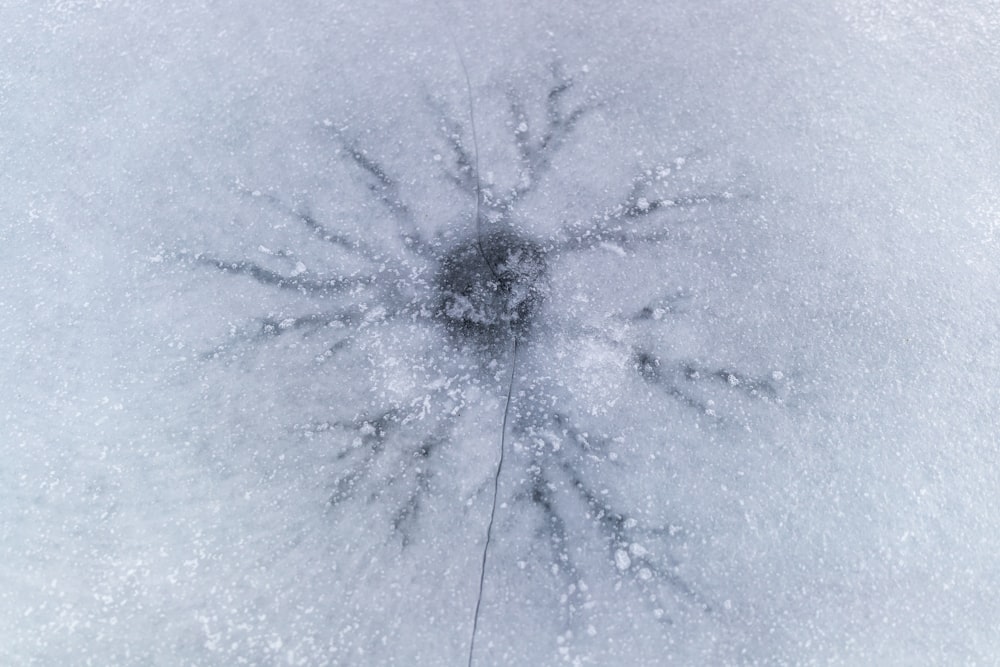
753 412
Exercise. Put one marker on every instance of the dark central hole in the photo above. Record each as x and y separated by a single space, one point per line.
486 299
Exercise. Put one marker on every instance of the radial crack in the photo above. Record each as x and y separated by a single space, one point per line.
619 531
272 327
536 154
464 176
649 369
385 189
299 283
318 229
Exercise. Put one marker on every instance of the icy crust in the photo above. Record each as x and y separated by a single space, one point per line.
489 289
752 421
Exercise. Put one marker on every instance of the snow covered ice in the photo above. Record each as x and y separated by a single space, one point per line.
261 283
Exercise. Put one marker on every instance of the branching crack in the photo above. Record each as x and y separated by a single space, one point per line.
314 226
488 287
652 371
536 154
303 282
385 189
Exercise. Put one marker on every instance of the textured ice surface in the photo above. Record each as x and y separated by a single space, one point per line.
255 375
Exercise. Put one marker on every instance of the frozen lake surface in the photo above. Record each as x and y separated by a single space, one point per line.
282 286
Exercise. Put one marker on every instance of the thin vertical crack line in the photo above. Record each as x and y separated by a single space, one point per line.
493 507
513 361
475 146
